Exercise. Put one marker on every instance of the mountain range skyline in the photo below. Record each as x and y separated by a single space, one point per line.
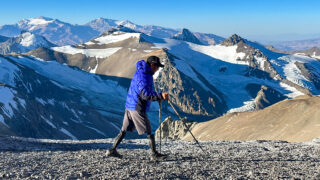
81 33
259 21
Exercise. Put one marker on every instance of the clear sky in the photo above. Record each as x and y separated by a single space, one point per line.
253 19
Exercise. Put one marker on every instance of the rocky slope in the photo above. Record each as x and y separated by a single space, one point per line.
293 120
48 159
50 100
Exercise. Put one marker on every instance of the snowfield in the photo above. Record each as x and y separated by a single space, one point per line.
98 53
23 158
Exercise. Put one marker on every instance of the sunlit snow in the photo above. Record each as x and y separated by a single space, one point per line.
98 53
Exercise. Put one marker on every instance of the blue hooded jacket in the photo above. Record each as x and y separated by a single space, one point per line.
141 92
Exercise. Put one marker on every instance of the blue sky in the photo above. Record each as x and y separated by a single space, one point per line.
253 19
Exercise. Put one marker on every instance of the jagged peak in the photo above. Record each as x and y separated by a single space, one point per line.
233 40
186 35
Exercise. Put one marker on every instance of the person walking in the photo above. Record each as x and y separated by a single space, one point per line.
140 95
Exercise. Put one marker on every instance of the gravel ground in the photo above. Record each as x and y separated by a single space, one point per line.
48 159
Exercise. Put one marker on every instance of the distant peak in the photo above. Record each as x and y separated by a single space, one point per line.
119 28
186 35
44 18
233 40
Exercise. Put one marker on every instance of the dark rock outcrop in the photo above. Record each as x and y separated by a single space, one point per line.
186 35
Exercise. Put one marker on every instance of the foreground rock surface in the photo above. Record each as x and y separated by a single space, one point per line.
49 159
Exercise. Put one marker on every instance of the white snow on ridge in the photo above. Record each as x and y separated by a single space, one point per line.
227 54
98 53
39 21
248 106
294 91
48 122
28 39
286 67
116 38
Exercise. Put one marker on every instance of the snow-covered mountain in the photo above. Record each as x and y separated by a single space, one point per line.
62 33
25 42
204 81
236 75
116 52
54 30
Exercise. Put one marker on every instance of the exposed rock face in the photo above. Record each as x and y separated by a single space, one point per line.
186 35
233 40
310 73
259 64
187 94
208 39
264 96
174 129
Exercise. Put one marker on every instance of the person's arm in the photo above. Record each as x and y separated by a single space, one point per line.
148 94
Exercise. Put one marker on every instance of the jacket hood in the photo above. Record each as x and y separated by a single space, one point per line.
142 66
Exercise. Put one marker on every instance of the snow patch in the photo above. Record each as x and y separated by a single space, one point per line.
39 21
41 101
28 39
294 92
227 54
68 134
100 132
95 68
98 53
248 106
112 38
48 122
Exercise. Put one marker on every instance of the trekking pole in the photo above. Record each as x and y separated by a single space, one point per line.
186 127
160 122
